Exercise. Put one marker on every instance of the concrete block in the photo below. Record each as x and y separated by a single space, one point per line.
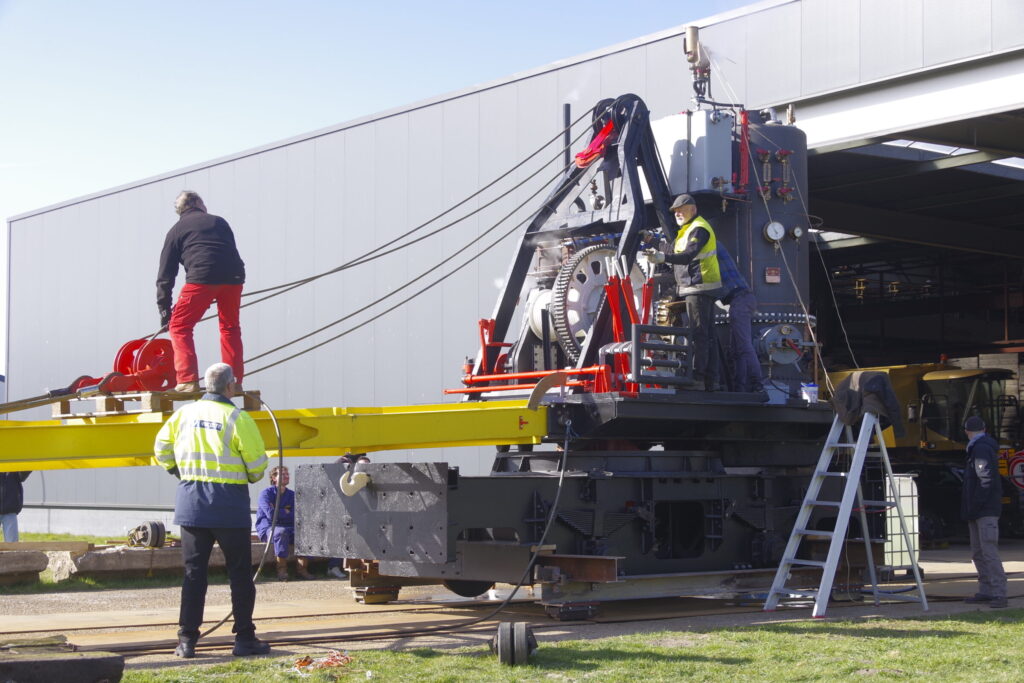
125 560
21 565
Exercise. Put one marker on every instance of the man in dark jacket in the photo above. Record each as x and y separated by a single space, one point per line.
214 271
980 505
12 498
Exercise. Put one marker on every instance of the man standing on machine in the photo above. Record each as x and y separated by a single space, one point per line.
216 450
214 271
694 259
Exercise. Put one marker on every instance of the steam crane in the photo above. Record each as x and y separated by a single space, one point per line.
641 486
612 478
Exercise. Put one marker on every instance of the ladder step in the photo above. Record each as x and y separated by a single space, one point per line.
813 532
843 445
880 503
807 563
789 592
825 503
822 473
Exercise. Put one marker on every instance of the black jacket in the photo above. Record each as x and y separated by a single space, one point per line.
205 245
983 487
868 391
12 497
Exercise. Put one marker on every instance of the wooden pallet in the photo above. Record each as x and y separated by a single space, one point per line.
132 403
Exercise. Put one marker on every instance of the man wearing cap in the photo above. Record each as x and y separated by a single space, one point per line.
698 275
980 505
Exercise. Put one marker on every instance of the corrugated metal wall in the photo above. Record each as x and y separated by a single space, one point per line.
82 273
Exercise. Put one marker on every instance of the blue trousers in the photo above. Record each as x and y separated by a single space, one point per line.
284 538
745 366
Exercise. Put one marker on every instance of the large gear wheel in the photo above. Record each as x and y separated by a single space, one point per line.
577 292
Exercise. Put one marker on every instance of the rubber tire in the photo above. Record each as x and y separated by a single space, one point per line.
504 644
468 589
520 643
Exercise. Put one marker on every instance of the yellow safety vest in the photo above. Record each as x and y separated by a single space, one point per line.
702 274
212 441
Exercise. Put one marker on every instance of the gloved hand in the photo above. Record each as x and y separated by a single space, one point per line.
165 317
646 236
654 256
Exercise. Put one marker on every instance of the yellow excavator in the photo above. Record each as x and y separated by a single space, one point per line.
936 399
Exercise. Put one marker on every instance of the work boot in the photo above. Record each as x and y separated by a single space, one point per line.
979 598
302 569
282 569
250 646
338 573
187 388
186 648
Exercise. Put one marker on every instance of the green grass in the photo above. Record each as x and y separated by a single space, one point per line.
974 646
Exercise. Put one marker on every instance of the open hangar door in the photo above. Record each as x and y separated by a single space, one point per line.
922 243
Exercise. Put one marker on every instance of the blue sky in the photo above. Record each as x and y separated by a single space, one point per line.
97 94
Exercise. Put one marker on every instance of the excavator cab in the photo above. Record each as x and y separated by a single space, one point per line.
949 397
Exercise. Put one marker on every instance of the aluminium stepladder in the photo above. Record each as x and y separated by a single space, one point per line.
861 449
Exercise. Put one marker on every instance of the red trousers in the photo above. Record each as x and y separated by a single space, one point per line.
192 303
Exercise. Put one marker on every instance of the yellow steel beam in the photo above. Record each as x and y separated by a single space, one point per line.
127 440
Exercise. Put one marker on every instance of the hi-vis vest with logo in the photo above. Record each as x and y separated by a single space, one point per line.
212 441
702 274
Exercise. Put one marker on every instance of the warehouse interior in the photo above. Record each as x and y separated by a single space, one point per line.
931 260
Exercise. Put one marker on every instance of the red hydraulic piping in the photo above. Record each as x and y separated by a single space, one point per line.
592 370
507 387
744 151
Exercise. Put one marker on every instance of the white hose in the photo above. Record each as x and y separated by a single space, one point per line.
353 482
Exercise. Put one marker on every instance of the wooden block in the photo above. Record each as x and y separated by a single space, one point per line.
72 546
108 404
61 408
155 403
251 400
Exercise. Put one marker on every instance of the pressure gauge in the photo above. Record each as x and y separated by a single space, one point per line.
797 232
774 231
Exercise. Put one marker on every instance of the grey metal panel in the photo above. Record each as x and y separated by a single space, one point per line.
625 72
773 55
1007 24
726 44
830 51
955 29
668 86
891 38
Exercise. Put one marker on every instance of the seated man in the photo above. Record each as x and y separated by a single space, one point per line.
284 531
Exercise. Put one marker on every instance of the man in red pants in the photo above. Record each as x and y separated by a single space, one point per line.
214 271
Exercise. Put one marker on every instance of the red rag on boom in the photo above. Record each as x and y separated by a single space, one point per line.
596 147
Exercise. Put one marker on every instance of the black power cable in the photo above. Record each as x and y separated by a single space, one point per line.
419 277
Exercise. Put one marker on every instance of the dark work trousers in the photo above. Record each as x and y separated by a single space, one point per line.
196 544
984 533
745 366
700 311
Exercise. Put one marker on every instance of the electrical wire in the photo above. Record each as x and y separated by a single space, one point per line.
358 259
416 294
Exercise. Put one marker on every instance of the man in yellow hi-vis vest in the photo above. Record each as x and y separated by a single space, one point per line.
694 259
216 450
